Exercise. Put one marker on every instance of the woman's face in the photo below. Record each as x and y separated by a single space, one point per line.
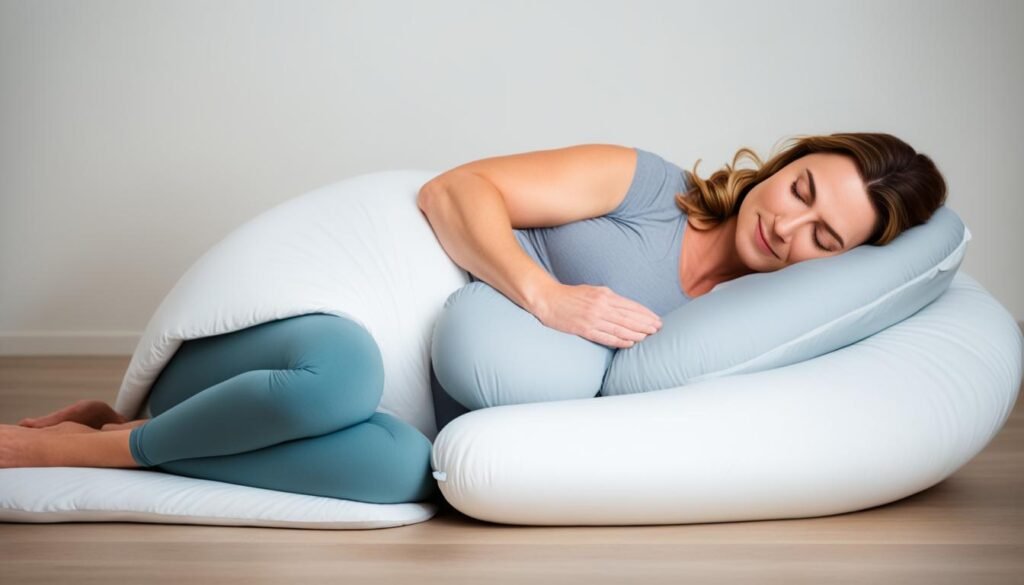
828 194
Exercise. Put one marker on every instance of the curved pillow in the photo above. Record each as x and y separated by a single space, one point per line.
767 320
359 248
859 427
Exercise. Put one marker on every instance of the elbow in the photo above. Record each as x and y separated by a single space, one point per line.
426 192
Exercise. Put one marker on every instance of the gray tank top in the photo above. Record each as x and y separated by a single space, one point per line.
633 250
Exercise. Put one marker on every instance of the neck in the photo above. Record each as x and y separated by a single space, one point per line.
709 257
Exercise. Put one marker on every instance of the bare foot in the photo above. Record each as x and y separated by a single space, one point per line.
93 413
26 447
23 447
64 427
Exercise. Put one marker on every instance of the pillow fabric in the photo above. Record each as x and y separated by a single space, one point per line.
359 248
865 425
488 351
767 320
42 495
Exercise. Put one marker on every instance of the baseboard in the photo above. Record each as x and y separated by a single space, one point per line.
32 343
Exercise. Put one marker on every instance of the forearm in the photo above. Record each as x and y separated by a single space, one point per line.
468 215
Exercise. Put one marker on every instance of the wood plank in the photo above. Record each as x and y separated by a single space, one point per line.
969 528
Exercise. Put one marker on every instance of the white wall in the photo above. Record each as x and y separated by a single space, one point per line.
136 134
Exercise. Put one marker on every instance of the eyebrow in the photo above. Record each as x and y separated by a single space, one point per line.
814 195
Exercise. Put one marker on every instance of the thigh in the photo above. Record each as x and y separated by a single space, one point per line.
488 351
316 341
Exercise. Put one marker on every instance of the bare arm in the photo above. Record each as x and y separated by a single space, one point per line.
474 207
471 221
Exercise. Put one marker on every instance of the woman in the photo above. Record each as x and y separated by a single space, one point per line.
289 404
819 197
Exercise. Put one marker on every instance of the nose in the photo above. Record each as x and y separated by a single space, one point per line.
786 226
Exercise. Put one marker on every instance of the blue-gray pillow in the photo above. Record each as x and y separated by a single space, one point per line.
767 320
488 351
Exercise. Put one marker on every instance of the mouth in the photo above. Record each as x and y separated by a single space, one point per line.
762 242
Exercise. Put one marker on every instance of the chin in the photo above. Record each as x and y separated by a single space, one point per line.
762 266
752 259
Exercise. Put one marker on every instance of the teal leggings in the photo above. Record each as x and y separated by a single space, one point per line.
286 405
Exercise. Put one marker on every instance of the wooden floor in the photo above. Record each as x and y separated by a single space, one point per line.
968 529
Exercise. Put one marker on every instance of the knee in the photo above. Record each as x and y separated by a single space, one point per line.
339 372
488 351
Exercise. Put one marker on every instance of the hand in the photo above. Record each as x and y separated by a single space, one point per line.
596 313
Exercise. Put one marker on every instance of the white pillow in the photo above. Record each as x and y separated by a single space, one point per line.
87 494
858 427
359 248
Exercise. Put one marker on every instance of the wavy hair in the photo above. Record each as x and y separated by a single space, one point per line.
904 186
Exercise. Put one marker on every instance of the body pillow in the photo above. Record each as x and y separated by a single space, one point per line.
359 248
858 427
487 351
767 320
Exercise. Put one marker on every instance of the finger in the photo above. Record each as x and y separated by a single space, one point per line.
642 325
36 422
634 322
646 315
609 340
620 330
615 342
637 320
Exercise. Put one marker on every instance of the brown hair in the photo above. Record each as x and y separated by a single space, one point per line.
904 186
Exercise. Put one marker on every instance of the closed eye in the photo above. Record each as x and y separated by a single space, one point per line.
816 241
